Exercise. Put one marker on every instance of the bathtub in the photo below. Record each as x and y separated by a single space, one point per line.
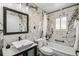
61 50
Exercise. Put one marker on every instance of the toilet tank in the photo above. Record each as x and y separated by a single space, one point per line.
41 42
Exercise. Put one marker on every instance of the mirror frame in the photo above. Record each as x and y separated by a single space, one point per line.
5 21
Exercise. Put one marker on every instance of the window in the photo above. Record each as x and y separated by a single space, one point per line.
61 23
58 23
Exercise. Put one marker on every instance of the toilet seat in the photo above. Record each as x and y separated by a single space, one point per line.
46 50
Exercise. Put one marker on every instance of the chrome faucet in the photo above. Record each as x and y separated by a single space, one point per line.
19 38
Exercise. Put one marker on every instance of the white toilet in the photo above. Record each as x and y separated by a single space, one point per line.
43 48
46 51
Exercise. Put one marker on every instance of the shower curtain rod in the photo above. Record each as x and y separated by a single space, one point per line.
63 8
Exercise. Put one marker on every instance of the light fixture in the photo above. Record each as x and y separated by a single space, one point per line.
19 6
27 6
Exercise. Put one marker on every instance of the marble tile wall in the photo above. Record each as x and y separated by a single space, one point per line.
35 20
69 38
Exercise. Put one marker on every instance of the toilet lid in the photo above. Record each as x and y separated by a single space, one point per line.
46 50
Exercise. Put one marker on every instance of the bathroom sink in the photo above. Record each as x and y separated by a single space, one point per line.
22 43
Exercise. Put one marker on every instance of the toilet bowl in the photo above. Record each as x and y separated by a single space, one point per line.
46 51
43 48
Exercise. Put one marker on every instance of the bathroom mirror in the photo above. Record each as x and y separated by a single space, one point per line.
14 22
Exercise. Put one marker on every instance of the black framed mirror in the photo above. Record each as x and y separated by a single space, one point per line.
14 22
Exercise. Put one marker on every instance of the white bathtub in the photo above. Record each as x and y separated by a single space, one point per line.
61 50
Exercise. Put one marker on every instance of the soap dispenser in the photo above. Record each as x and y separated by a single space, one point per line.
7 46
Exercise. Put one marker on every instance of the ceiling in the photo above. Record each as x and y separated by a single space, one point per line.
50 7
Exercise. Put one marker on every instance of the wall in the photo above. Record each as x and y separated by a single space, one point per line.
61 34
35 19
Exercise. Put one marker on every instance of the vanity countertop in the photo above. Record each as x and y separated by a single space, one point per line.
13 51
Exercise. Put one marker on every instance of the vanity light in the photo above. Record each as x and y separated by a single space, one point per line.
27 7
19 6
